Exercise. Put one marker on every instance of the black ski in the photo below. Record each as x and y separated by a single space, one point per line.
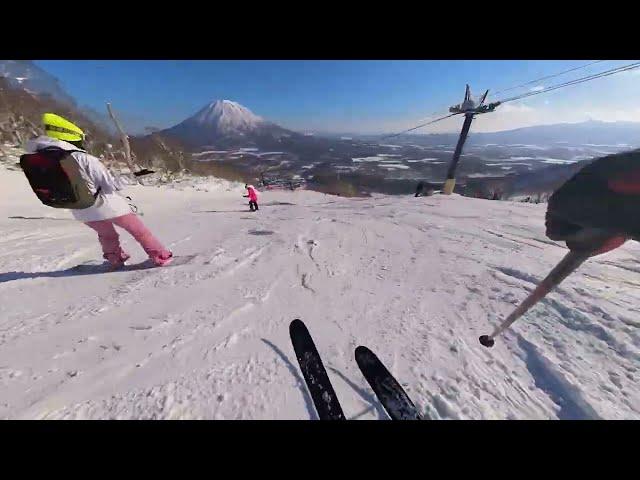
392 396
315 375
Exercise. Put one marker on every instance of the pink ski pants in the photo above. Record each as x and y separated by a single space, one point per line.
110 240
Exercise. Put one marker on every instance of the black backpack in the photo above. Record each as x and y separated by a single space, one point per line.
54 176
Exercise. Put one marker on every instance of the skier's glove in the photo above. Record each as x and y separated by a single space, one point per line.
593 241
598 208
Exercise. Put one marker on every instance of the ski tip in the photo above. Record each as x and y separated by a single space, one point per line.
361 350
364 356
296 324
486 341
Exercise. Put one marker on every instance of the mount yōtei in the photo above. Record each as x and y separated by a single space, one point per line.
224 123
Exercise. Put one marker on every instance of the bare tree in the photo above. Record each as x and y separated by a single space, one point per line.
125 142
110 159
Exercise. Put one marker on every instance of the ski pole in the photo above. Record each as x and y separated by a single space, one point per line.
568 264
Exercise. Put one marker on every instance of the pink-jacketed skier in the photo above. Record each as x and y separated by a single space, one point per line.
108 208
252 193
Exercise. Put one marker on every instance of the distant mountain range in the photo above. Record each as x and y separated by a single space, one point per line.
583 133
516 160
227 124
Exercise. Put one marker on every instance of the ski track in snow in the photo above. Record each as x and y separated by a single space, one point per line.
415 280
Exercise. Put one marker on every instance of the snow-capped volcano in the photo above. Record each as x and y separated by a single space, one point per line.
224 122
226 116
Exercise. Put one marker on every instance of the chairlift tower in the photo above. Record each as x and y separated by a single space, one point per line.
470 109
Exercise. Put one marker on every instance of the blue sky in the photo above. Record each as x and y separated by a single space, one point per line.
344 95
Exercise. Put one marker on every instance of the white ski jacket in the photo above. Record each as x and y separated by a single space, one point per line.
109 204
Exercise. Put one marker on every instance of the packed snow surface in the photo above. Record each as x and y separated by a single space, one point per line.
417 280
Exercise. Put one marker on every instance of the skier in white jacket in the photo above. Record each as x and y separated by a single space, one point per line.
110 208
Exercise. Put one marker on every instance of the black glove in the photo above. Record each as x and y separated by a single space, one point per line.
601 201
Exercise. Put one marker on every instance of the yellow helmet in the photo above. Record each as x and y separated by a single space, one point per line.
57 127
